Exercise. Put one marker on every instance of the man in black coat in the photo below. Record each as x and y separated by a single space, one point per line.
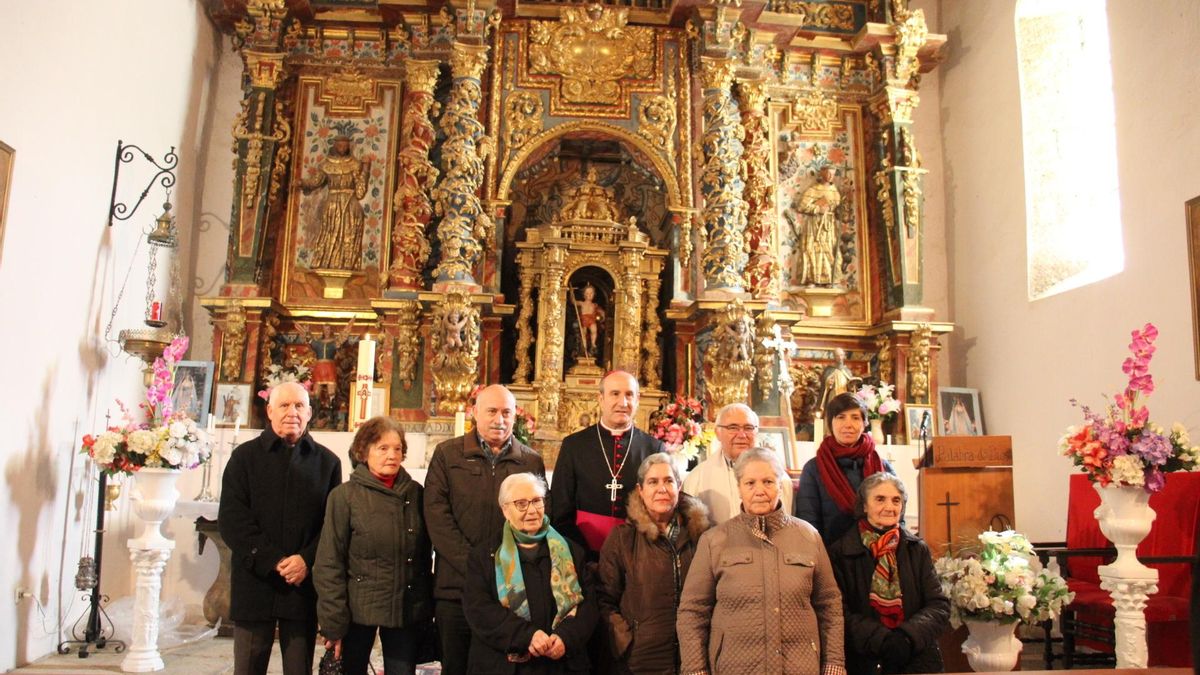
461 511
272 507
597 467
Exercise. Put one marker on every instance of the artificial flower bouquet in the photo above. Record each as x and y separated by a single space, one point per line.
680 426
524 423
278 374
1001 581
166 439
879 401
1121 445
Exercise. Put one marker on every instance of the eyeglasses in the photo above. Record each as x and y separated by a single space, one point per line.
523 505
736 429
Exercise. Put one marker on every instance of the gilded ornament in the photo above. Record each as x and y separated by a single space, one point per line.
763 269
817 14
349 90
911 185
416 180
283 151
816 112
524 336
911 33
454 343
267 342
651 354
656 123
724 253
523 116
592 50
589 201
578 411
728 359
883 356
233 343
468 60
408 342
918 364
627 350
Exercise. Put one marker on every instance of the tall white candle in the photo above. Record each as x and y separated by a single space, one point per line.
363 383
818 429
460 423
237 427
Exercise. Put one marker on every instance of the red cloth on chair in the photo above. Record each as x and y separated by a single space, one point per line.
1175 532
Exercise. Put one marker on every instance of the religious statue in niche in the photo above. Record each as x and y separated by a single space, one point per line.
589 200
454 323
588 328
836 379
735 341
819 260
325 348
340 215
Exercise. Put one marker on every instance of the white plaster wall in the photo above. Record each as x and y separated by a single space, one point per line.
78 75
1030 358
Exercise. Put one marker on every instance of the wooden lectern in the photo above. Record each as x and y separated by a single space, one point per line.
968 489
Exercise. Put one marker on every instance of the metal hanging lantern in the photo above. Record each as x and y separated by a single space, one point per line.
163 247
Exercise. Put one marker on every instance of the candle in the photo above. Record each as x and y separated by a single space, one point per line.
889 439
460 423
364 379
237 426
212 424
818 428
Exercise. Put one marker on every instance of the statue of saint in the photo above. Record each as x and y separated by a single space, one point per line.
590 200
325 347
339 243
836 379
591 314
454 323
819 257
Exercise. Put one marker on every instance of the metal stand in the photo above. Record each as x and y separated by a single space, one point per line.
95 633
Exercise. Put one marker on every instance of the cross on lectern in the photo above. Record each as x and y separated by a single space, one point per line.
949 538
612 489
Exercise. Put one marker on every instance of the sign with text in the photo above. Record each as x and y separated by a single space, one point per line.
954 452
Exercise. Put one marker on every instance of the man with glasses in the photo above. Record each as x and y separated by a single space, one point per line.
713 482
461 511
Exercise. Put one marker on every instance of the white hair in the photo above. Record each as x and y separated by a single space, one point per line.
737 406
506 487
759 455
273 397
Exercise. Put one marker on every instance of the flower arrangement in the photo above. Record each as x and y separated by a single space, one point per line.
277 375
879 401
1121 445
524 424
1002 581
166 439
679 425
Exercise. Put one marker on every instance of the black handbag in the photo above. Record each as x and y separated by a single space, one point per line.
330 664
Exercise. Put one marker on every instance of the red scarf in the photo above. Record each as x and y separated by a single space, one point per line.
831 474
388 481
885 595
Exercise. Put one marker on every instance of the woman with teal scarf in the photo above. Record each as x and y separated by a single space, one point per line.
529 601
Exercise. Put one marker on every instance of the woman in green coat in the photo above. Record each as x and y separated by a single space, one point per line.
373 566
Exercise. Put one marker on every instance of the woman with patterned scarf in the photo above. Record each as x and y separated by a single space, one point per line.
845 457
529 602
892 601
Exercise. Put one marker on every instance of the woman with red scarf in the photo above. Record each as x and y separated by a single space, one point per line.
892 602
829 480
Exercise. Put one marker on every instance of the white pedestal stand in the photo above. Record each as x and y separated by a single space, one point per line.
1125 519
154 500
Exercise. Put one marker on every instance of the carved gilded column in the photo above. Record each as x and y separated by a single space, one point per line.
652 355
728 361
466 226
724 256
919 364
418 176
261 133
763 271
550 334
629 313
408 342
524 319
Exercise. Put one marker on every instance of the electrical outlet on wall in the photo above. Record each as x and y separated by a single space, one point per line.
20 594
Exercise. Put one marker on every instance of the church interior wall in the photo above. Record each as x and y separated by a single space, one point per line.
1030 358
76 78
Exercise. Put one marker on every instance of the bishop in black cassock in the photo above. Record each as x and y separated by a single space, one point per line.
597 467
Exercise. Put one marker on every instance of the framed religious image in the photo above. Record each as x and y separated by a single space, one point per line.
779 440
913 415
1192 207
231 403
379 401
193 382
6 169
959 412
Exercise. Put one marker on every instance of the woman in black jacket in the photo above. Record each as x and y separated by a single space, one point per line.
893 605
373 566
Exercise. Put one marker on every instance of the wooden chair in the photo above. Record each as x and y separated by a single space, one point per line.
1170 548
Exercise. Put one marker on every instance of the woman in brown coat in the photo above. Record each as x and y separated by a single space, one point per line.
760 596
642 566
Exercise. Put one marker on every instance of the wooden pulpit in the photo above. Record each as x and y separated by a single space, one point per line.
966 490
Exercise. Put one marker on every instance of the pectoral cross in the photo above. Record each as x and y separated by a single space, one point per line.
612 489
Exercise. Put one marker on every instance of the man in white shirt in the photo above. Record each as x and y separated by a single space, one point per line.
713 482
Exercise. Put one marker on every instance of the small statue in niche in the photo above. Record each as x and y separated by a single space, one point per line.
590 200
325 347
819 260
338 244
454 323
735 344
836 379
591 315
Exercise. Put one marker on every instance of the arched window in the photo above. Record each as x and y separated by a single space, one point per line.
1072 200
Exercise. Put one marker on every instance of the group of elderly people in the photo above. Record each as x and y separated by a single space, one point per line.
837 586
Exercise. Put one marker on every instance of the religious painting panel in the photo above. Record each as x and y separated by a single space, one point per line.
192 386
781 441
340 204
822 206
232 404
916 415
959 411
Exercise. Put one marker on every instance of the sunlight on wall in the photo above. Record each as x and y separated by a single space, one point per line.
1072 202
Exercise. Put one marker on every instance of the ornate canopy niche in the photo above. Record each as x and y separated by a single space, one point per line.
587 242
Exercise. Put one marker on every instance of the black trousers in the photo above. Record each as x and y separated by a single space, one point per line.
252 641
399 649
455 634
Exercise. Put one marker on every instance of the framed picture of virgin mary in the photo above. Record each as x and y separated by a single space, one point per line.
958 412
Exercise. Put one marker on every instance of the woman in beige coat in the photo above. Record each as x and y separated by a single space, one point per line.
760 596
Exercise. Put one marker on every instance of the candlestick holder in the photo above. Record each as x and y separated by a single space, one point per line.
206 494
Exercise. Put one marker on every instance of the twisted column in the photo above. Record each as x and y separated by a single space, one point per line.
414 209
721 183
763 270
652 354
524 337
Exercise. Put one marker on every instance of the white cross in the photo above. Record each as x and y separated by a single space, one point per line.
612 489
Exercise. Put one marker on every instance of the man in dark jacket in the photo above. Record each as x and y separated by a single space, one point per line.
272 507
461 510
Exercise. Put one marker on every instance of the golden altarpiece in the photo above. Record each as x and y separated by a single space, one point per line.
723 198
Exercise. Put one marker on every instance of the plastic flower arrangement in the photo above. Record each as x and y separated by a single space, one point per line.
679 426
1002 581
166 439
277 375
524 424
879 401
1121 445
